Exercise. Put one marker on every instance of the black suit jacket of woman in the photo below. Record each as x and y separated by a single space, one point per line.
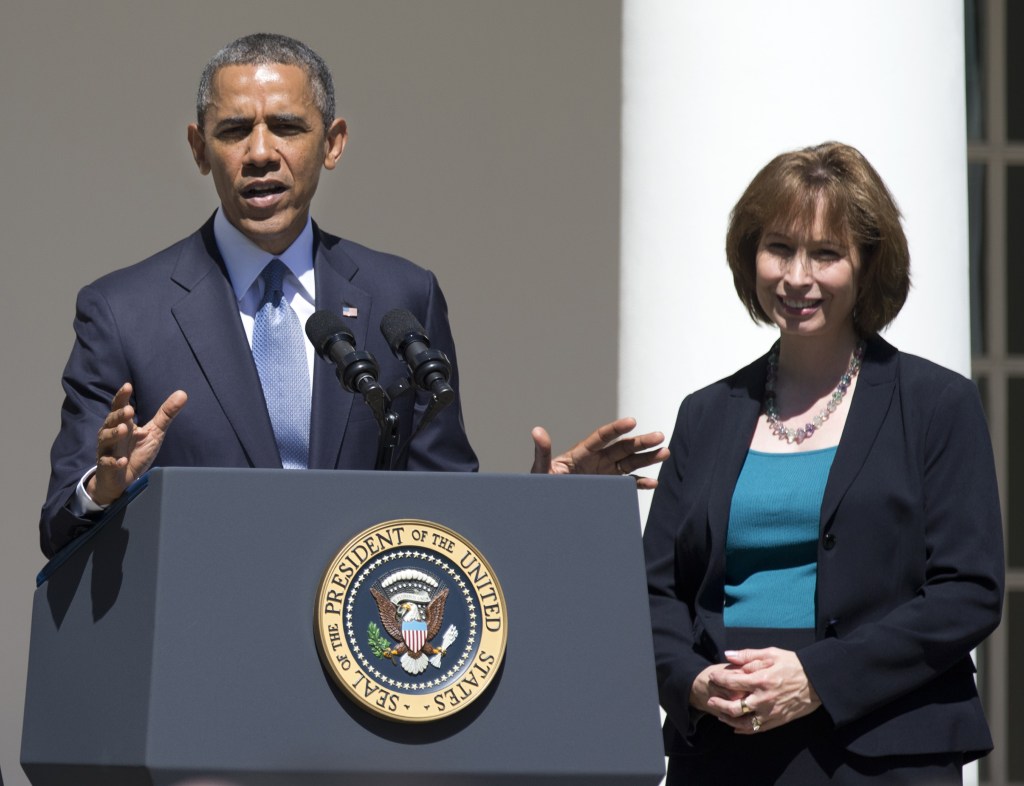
910 556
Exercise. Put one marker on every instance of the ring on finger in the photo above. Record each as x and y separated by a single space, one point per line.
755 723
744 707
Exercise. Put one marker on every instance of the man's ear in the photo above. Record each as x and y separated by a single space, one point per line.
197 142
337 136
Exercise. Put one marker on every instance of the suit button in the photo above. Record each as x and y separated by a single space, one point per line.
829 542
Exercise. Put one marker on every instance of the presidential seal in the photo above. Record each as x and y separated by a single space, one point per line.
411 621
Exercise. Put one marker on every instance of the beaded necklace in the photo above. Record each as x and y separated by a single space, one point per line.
771 410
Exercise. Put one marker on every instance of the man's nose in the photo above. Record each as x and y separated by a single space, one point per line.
262 147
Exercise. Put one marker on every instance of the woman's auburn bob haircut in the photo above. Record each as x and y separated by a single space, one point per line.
786 194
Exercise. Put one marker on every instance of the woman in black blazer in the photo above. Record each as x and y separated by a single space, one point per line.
824 548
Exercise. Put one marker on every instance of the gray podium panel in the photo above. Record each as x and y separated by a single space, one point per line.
177 647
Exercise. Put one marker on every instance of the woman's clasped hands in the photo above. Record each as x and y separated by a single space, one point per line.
756 690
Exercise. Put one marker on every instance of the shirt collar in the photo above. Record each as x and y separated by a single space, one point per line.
245 260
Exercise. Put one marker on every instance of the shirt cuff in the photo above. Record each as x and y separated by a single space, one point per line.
82 504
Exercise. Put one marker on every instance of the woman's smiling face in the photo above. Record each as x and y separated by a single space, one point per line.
807 278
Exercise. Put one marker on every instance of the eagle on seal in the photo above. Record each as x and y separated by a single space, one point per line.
404 622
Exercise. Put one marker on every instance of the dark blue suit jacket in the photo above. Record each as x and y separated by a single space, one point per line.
910 557
172 322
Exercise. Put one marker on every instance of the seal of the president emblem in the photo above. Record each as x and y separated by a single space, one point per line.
410 621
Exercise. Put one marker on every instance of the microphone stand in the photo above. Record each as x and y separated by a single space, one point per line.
387 440
387 424
387 419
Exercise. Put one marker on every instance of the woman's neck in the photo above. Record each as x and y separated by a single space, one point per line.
815 362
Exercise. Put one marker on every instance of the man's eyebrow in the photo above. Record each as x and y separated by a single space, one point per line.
288 117
233 122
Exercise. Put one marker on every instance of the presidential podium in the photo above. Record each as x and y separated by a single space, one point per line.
178 645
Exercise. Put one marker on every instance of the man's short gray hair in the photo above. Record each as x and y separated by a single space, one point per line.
270 49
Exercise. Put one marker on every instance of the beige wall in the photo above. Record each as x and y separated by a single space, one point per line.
484 145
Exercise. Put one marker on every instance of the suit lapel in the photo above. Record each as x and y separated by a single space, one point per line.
208 318
870 405
733 433
331 403
729 431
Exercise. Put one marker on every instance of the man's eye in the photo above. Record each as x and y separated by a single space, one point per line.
233 134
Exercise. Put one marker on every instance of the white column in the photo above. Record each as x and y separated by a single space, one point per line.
712 91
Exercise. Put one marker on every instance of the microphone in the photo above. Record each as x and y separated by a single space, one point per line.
357 371
430 368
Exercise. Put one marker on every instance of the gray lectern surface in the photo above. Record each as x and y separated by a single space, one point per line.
177 647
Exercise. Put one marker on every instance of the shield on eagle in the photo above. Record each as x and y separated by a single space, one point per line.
414 634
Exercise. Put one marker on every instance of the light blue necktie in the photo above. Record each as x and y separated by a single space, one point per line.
278 347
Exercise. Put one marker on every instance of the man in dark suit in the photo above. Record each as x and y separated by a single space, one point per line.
171 339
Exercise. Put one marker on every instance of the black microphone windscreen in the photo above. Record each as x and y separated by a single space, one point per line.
397 324
323 326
